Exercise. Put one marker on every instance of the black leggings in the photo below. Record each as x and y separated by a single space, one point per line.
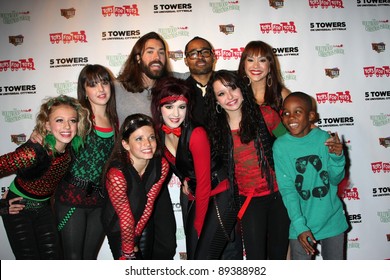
32 234
115 243
215 242
265 227
164 247
82 235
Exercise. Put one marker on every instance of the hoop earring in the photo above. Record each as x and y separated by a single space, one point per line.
269 80
218 108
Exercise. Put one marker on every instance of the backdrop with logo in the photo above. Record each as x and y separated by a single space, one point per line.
334 50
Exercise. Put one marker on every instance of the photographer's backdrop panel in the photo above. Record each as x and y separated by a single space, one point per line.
337 51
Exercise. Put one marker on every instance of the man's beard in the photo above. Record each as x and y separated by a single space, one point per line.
152 74
200 71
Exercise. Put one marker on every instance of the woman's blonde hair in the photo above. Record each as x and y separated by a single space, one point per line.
83 126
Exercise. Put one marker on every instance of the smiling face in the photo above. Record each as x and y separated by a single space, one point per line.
153 59
257 68
174 114
229 99
62 124
141 144
297 116
98 92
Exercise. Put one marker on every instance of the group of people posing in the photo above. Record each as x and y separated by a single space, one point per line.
257 176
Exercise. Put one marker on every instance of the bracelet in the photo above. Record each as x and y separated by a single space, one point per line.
127 256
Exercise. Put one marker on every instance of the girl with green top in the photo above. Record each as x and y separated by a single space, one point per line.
79 196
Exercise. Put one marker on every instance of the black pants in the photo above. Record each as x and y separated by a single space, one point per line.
265 227
32 233
145 244
218 239
115 243
83 235
164 247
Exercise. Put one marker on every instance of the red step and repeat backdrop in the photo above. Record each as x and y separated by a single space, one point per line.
335 50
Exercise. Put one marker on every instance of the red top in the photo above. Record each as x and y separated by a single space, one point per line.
247 171
27 161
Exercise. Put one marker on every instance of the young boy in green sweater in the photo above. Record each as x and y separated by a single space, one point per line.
308 169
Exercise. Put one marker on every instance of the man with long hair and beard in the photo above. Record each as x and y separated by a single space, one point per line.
146 63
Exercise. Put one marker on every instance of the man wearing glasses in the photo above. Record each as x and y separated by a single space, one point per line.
199 57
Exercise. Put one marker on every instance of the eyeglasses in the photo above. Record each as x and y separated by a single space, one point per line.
195 53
